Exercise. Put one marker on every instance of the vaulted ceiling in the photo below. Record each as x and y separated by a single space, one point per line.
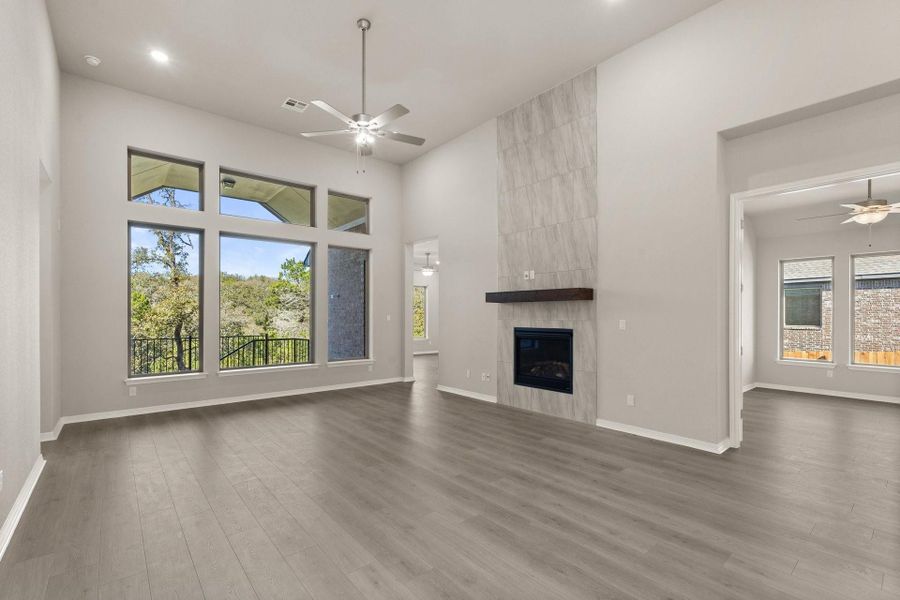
453 64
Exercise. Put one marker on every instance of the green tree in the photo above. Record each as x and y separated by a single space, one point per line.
419 312
289 299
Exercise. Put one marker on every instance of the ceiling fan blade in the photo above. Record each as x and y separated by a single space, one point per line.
402 137
388 116
850 220
852 206
321 133
333 111
822 217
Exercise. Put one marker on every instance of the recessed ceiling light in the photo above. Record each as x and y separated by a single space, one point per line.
92 60
159 56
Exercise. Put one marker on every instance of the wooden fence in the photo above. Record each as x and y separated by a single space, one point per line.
889 358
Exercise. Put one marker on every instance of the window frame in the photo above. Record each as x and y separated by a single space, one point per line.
367 313
267 179
851 359
780 357
425 310
312 298
201 282
364 199
200 165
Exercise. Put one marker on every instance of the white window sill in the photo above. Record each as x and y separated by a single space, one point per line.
269 370
818 364
875 368
351 363
164 378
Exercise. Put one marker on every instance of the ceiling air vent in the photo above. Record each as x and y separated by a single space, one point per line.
294 104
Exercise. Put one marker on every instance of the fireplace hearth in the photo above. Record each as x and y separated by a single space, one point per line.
543 359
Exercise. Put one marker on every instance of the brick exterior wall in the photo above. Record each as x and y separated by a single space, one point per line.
877 323
347 303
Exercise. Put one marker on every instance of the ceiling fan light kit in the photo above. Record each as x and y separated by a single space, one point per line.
865 212
364 127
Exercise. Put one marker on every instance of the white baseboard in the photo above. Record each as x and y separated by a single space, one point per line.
835 393
50 436
146 410
18 507
409 380
468 394
715 448
424 352
750 386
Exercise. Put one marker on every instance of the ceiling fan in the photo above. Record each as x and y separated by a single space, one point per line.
428 270
363 126
865 212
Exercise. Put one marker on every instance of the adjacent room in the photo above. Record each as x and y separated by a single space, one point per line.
467 300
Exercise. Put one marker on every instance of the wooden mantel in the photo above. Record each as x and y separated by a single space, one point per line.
555 295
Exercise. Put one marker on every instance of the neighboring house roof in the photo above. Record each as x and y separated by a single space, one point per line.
875 266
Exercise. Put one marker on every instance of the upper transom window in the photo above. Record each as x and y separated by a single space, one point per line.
165 181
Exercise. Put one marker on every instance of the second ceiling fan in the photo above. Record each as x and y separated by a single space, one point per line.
363 126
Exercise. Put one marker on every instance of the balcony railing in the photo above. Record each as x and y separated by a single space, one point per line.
156 356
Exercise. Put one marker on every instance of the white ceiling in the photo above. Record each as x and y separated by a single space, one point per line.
453 64
779 215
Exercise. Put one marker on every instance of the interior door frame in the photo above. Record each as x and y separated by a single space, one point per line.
735 253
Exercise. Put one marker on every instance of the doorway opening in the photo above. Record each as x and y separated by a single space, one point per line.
424 322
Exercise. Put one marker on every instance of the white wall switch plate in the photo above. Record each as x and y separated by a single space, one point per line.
629 400
622 324
389 317
1 481
829 373
468 373
370 368
526 275
132 391
531 274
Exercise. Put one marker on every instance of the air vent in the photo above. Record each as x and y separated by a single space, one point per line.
294 104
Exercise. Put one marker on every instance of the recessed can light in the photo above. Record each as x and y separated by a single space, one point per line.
159 56
92 60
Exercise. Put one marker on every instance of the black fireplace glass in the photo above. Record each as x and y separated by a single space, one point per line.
543 358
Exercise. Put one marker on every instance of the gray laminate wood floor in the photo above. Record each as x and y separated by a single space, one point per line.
398 491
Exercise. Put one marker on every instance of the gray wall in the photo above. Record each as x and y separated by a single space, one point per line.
547 205
450 193
99 123
851 239
29 150
433 312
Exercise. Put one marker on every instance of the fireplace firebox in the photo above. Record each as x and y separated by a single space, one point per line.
543 359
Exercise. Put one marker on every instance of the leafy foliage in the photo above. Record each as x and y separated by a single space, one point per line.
419 327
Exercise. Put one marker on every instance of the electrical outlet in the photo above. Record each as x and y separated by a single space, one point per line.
629 400
487 376
468 373
527 277
370 368
531 274
829 373
132 391
622 324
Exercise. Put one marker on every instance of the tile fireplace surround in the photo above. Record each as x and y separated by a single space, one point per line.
547 182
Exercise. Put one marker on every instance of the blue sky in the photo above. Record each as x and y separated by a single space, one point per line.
239 256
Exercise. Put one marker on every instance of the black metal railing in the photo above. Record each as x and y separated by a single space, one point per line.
242 351
155 356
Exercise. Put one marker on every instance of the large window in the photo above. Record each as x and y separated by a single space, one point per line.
348 277
265 302
165 291
255 197
348 213
876 309
806 309
164 181
420 312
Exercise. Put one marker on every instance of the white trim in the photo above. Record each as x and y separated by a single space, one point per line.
164 378
875 368
715 448
749 387
424 352
350 363
146 410
18 507
270 370
816 364
467 394
409 380
51 436
835 393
